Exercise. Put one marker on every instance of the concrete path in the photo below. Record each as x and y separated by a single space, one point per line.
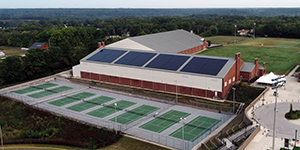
264 115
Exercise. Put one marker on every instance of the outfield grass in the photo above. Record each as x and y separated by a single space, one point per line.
279 54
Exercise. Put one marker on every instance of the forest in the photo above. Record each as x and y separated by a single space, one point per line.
104 13
71 40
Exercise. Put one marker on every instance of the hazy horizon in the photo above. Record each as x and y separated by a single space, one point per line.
159 4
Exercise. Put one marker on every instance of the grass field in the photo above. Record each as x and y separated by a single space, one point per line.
35 88
195 128
12 51
164 121
280 55
110 109
90 103
135 114
224 39
50 92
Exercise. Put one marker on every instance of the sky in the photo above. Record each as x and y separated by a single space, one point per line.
149 3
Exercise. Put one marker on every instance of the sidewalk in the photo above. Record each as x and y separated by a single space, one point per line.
290 93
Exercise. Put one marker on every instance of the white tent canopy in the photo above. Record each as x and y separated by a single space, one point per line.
267 79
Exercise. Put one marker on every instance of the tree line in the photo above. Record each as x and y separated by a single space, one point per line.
71 40
104 13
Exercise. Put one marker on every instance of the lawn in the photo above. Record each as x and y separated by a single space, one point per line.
224 39
280 55
12 51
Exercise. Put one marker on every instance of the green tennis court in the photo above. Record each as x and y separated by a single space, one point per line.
164 121
135 114
71 99
35 88
195 128
90 103
50 92
110 109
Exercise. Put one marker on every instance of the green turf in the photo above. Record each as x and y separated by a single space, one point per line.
35 88
110 109
90 103
50 92
195 128
279 54
164 121
71 99
135 114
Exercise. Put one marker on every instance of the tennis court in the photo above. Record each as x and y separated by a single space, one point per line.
110 109
85 105
164 121
50 92
135 114
195 128
71 99
35 88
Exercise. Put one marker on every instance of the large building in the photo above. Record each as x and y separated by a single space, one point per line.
162 68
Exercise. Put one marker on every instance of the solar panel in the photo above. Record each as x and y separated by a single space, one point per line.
135 58
168 62
207 66
106 55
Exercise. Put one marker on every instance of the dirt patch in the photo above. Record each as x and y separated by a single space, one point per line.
9 51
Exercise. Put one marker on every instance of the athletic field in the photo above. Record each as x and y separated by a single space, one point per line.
152 120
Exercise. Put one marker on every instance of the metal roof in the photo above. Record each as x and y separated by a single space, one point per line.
220 72
247 67
166 42
36 45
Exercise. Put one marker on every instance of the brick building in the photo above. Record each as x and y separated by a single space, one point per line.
173 72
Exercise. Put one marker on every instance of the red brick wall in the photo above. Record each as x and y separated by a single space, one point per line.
229 76
195 49
151 85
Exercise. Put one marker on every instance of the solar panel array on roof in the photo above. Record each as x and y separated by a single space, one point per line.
168 62
135 58
207 66
106 55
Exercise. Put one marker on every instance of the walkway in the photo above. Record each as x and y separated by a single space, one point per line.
264 115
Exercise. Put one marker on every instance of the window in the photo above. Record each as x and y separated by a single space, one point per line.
229 81
233 79
225 84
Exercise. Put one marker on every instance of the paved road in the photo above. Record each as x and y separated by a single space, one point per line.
285 128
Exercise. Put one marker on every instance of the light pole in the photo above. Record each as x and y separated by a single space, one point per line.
254 30
235 33
233 100
276 86
1 138
176 91
116 115
182 119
